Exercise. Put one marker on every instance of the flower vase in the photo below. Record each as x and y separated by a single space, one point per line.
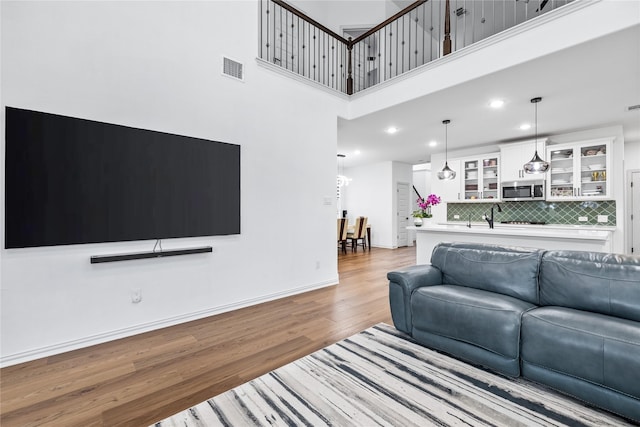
417 221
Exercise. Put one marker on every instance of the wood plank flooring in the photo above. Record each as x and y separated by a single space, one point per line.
139 380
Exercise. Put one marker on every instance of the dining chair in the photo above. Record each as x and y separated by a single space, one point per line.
359 234
343 224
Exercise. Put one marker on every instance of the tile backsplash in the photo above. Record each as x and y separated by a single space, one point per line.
538 211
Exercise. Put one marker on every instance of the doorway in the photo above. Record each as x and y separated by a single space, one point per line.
402 213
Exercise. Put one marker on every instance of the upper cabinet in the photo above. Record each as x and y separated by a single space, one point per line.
514 156
578 171
477 179
481 177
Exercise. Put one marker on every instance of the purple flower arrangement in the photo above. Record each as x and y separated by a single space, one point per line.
425 206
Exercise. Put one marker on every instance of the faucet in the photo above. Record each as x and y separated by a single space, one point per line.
490 219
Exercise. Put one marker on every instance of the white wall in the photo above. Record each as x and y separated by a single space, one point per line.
157 65
421 180
338 14
631 155
422 183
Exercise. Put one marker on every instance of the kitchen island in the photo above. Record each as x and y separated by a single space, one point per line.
581 238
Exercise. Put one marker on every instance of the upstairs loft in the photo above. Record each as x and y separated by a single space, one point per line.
420 33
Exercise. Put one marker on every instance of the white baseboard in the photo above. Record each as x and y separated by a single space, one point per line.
384 246
50 350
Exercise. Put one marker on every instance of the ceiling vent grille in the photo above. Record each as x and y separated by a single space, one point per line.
233 69
633 107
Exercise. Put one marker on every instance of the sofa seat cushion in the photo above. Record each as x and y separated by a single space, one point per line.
484 319
596 348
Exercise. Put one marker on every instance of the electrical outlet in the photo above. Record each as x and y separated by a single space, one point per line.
603 218
456 217
327 201
136 295
583 218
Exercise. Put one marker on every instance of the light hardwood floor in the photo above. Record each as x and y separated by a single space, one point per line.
142 379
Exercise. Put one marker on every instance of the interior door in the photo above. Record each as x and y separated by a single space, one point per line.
403 203
635 212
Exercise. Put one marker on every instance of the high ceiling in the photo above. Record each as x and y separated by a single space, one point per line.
587 86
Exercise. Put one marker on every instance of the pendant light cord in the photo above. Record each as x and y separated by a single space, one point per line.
536 117
446 142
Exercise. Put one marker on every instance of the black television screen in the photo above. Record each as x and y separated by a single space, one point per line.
70 181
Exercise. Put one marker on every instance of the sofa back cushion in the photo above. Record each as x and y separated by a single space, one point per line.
592 281
506 270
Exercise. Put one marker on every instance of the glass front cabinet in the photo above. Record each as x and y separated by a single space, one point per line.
578 171
481 178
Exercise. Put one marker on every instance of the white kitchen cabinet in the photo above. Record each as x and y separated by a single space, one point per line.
448 190
514 156
578 171
481 177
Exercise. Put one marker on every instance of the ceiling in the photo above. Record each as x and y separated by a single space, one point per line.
587 86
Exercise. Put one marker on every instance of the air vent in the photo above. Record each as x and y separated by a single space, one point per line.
231 68
633 107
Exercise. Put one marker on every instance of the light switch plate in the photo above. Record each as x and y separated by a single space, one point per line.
583 218
603 218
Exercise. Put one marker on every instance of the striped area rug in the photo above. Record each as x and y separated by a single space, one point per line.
380 377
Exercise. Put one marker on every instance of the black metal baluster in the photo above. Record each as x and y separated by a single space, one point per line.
305 50
273 54
315 52
265 42
402 44
298 44
388 54
397 47
325 58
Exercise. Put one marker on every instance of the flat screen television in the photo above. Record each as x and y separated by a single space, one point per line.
71 181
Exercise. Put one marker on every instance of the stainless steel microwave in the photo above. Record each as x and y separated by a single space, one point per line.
523 190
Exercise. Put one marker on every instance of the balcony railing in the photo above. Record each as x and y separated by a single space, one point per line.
422 32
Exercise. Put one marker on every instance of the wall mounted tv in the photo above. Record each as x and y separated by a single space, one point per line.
71 181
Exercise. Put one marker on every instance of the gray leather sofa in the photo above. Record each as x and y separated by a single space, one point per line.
567 319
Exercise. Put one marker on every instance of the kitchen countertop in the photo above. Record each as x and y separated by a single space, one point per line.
558 231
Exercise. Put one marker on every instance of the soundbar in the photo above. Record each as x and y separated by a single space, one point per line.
96 259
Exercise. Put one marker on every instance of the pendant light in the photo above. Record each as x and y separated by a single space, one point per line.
446 172
536 165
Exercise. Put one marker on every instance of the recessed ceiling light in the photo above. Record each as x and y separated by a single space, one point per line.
496 103
433 143
525 126
391 130
357 152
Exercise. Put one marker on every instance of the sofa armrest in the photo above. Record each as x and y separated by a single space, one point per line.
402 283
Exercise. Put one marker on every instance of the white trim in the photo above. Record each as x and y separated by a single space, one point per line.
63 347
383 246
